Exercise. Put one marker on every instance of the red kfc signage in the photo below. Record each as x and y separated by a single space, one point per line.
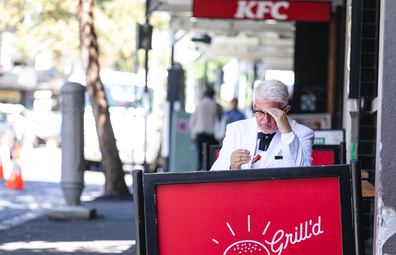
288 217
262 10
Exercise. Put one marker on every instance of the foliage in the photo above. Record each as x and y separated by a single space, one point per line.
42 25
206 69
116 30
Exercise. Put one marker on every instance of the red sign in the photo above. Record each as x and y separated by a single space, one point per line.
288 217
262 10
183 126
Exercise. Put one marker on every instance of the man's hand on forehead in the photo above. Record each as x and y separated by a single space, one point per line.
281 119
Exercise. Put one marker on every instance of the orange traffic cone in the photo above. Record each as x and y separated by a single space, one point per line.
5 154
15 181
1 172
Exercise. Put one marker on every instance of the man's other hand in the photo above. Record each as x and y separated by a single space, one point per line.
238 158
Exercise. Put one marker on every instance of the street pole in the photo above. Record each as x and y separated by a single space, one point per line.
143 41
135 68
146 89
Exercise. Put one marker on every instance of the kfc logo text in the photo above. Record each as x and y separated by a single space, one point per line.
261 10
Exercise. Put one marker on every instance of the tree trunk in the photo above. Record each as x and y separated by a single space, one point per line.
111 163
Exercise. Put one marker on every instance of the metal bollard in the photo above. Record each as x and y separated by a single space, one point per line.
72 182
72 108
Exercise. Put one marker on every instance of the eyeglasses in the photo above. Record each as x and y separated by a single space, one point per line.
261 114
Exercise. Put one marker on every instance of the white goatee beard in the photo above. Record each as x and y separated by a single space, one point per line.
273 130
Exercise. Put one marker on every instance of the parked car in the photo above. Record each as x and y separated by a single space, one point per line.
7 129
30 126
127 115
20 118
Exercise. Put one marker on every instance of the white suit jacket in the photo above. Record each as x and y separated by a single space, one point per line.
294 149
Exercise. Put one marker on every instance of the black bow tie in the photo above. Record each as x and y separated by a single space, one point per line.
265 140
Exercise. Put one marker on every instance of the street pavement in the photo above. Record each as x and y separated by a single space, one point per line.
25 228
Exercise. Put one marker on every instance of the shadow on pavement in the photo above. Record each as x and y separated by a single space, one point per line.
111 232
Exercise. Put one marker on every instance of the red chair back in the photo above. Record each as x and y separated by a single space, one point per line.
321 158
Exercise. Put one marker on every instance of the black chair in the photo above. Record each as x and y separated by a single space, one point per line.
209 155
138 204
321 154
328 154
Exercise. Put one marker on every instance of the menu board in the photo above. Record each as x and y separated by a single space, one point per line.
284 211
293 216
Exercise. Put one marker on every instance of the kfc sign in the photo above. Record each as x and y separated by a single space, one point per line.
262 10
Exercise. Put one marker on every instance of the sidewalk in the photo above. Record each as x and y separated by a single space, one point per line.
111 232
25 229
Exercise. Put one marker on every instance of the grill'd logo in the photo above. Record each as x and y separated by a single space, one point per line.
275 244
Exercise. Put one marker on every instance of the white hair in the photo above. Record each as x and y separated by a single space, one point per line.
271 91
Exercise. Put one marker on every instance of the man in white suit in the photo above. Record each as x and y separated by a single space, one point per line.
284 142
